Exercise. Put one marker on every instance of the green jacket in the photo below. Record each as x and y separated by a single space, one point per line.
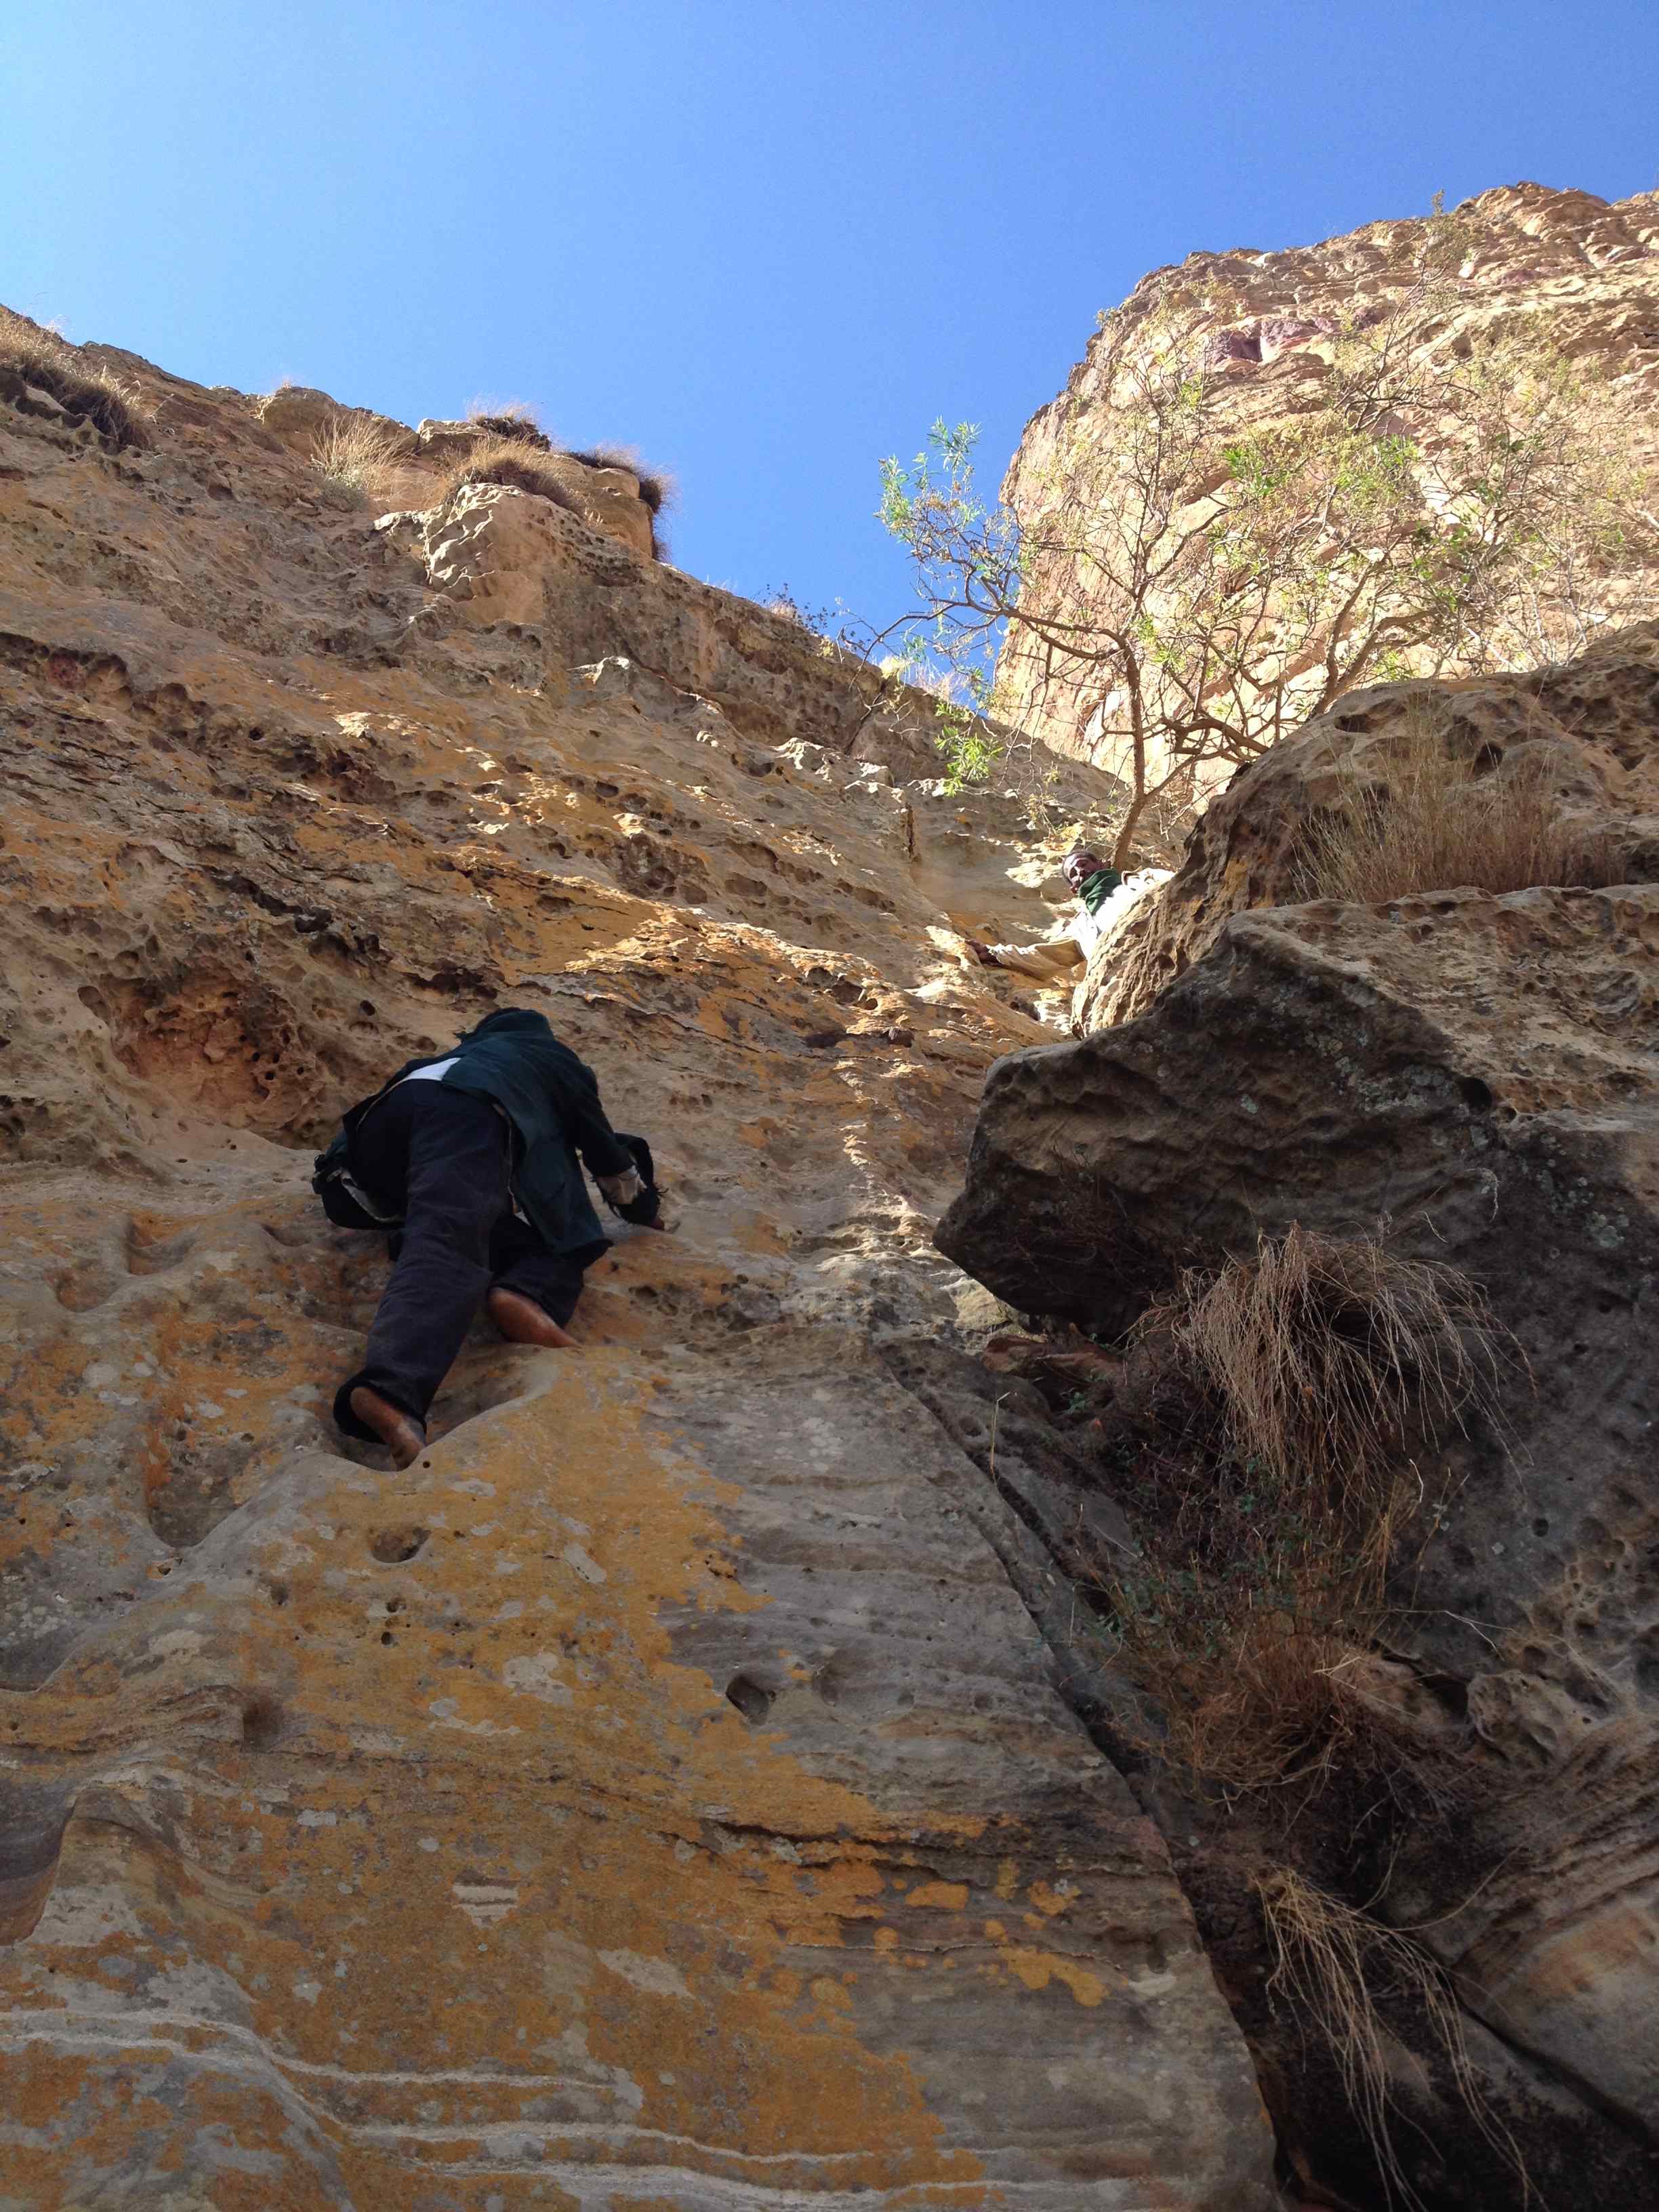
552 1098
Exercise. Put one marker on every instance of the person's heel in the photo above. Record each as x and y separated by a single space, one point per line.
400 1432
521 1320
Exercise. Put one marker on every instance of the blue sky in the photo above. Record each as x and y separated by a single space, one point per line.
765 243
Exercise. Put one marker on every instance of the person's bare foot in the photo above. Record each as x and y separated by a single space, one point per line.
521 1320
400 1432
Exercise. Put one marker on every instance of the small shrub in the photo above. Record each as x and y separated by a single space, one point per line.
54 366
1330 1962
968 746
1296 1385
1431 821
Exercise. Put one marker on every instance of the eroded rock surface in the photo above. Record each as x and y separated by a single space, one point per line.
1581 735
663 1792
1480 1075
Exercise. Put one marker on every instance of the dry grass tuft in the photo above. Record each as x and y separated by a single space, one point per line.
512 450
1432 822
1308 1376
1330 1963
510 460
1324 1353
52 365
355 451
657 488
513 424
509 418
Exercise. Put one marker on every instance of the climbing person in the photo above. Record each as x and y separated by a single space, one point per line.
1104 896
471 1158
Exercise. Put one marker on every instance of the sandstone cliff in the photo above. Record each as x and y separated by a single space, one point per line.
1478 1074
672 1789
1581 272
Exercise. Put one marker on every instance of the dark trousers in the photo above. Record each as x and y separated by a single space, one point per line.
440 1157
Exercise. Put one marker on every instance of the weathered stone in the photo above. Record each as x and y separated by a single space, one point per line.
1479 1076
671 1787
1586 734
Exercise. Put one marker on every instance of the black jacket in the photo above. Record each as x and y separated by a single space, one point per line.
552 1100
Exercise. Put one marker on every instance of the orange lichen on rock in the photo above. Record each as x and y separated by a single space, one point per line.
528 1827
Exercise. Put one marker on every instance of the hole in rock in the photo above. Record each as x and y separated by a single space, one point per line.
262 1723
1477 1095
393 1546
752 1698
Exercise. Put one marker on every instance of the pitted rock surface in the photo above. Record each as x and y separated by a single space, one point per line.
1478 1076
1586 734
662 1792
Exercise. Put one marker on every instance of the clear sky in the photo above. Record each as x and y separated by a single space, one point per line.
764 241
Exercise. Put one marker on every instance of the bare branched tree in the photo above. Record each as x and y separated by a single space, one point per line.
1192 588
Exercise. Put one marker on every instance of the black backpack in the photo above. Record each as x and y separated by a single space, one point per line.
345 1202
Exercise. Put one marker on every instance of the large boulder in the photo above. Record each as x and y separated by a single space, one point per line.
1588 733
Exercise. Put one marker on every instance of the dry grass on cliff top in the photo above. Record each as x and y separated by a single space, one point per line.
52 365
356 452
1424 820
513 460
512 450
657 488
1307 1380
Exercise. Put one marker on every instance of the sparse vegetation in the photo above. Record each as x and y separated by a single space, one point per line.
510 460
1330 1963
355 451
1186 587
1324 1354
1296 1390
511 422
512 450
1419 818
657 487
52 365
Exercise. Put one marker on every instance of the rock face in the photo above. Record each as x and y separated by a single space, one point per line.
664 1791
607 495
1584 733
1481 1074
1265 322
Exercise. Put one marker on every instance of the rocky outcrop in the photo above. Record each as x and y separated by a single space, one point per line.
1584 271
1480 1075
1583 733
663 1789
606 492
